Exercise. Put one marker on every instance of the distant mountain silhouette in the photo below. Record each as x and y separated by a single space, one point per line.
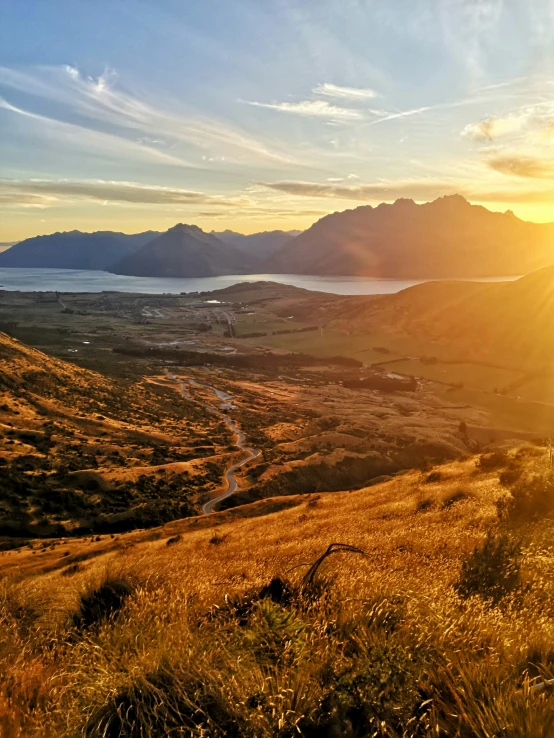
445 238
184 251
74 250
258 245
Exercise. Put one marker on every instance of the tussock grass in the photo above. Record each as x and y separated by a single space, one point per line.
231 640
102 601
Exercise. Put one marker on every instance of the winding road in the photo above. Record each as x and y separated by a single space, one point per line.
225 404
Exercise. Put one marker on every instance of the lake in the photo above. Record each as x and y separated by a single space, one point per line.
77 280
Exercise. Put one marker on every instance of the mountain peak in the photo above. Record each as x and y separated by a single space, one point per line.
183 251
447 238
185 228
454 199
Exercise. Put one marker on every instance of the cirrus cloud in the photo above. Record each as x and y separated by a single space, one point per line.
311 109
344 93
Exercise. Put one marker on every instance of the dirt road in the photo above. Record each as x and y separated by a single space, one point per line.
224 403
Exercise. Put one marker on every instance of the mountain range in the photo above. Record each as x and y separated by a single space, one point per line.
446 238
258 245
184 251
74 250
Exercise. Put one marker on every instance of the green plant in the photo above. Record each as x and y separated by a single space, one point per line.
492 570
532 497
493 460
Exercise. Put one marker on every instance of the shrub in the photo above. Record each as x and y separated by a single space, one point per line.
493 460
509 476
455 495
533 497
274 633
377 694
491 571
434 476
424 504
165 702
70 570
103 602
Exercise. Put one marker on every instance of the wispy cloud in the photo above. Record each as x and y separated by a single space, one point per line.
44 193
523 166
383 116
493 128
420 190
344 93
91 140
312 109
100 103
528 120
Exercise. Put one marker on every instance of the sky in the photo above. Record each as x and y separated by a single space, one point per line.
255 115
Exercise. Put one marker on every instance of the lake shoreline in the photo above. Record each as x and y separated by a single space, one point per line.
73 280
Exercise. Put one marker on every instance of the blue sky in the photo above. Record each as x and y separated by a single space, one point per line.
257 115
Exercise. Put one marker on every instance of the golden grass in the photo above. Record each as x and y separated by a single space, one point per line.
383 647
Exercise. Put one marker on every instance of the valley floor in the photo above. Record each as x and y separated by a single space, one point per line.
384 568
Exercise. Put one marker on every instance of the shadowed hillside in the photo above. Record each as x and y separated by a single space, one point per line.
80 453
257 245
183 251
74 250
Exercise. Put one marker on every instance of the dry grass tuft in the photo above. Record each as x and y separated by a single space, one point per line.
102 602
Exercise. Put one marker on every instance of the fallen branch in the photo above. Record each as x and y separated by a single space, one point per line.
309 576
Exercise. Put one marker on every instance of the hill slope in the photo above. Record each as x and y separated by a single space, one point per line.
81 453
74 250
216 626
441 239
514 317
184 251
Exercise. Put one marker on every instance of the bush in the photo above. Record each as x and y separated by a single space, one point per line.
508 477
493 460
434 476
376 694
455 495
275 634
532 497
491 571
166 702
103 602
424 504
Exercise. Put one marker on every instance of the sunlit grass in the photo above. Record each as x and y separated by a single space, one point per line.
379 644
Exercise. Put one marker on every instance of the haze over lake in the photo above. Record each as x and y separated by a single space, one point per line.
73 280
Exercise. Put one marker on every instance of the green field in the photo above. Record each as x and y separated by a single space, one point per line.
537 390
507 411
473 376
364 347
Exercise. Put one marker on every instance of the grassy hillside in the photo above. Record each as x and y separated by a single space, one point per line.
83 453
480 319
217 626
